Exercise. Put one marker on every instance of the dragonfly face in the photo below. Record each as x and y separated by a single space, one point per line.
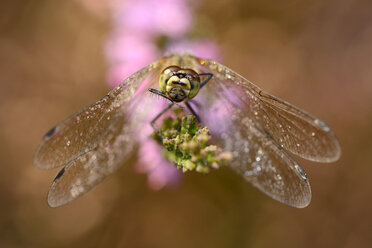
179 84
259 130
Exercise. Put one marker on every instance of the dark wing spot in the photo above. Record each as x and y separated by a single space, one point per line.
60 173
50 133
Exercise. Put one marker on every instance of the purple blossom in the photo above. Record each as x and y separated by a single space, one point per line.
160 171
204 48
163 17
121 48
131 45
150 160
124 59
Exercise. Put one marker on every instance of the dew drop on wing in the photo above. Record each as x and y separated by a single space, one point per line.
322 125
60 173
50 133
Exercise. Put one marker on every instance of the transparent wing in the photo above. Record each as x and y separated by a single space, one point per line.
268 167
89 169
292 128
259 129
96 141
82 132
76 135
256 156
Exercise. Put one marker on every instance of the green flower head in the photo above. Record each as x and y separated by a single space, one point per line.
186 144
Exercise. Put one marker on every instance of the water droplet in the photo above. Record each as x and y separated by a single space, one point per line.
313 134
248 173
213 66
298 144
82 159
278 177
322 125
301 172
68 143
258 158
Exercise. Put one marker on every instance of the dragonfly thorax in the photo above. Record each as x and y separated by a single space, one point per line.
179 84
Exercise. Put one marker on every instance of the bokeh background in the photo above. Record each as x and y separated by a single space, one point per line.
315 54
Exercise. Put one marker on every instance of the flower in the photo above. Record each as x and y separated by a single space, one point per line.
204 48
124 59
163 17
160 171
143 30
186 144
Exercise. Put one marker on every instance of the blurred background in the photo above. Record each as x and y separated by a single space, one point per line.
58 56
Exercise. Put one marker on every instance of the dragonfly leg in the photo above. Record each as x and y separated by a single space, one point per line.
157 92
192 111
209 76
160 114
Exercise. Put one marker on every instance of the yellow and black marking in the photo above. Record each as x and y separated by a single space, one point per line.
179 84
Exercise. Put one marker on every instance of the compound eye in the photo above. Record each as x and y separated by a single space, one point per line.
192 74
170 70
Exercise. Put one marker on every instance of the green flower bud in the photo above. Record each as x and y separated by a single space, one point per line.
185 144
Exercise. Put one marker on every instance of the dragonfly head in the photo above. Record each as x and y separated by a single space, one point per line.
179 84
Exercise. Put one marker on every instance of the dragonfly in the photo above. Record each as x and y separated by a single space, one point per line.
261 131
